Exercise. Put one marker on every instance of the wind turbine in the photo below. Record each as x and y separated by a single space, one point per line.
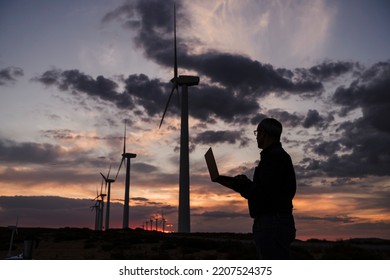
108 186
184 177
14 230
99 206
96 208
163 220
127 156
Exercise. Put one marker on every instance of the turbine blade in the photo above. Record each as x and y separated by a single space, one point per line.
104 177
120 165
101 187
174 38
124 140
108 174
97 192
166 106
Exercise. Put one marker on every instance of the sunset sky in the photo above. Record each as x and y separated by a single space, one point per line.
72 71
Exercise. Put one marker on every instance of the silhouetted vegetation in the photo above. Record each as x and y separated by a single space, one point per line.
82 243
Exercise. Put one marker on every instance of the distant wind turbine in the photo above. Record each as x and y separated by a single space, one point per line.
96 208
127 156
163 220
184 176
14 230
108 186
151 223
99 207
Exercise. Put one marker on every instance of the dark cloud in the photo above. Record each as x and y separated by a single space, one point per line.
223 136
362 148
49 78
369 154
247 76
329 69
10 74
327 148
333 219
78 82
208 103
286 118
151 94
326 71
237 71
370 92
29 152
360 151
43 157
314 119
141 199
140 167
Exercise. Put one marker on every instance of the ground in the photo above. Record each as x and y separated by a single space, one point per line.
117 244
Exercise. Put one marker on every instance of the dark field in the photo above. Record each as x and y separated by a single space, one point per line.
86 244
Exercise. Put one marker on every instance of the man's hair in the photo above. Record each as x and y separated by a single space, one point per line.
272 127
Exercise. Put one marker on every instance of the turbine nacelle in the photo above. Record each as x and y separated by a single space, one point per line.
106 179
186 80
129 155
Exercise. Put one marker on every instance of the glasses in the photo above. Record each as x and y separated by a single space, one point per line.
258 132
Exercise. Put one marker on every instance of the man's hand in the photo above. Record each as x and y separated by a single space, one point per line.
242 181
243 184
242 177
235 183
227 181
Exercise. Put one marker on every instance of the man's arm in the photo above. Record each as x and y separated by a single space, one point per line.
237 183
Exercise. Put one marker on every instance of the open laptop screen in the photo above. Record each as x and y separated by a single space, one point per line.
211 165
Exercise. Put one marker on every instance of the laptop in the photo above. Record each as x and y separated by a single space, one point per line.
211 165
226 181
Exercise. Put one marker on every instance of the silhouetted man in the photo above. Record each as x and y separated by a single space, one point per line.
270 194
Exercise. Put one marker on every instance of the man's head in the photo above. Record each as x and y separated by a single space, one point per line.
268 131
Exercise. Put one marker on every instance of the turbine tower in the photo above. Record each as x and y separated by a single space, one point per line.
108 186
14 230
127 156
96 208
184 176
163 220
99 205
